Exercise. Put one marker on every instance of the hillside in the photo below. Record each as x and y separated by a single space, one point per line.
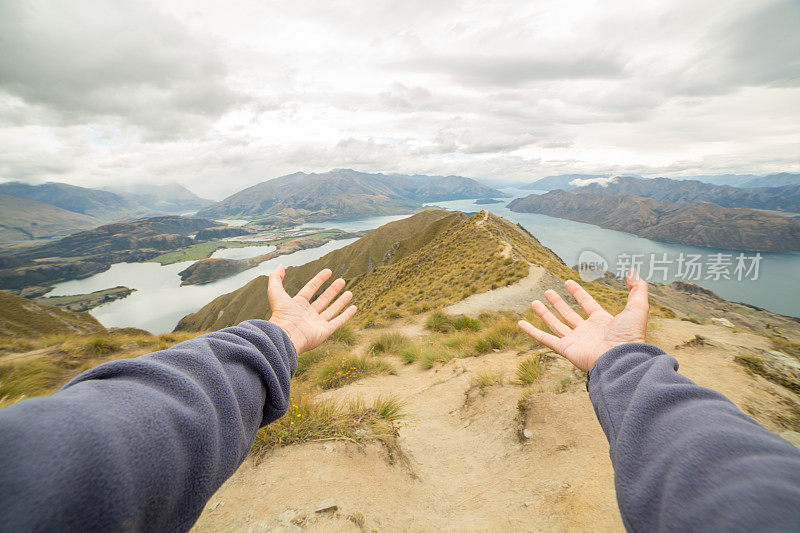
786 198
92 251
343 194
20 317
562 181
695 223
407 267
23 221
103 205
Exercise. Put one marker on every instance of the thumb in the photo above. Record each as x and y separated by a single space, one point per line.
275 286
637 295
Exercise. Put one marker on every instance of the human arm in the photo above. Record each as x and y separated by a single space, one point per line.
143 443
684 457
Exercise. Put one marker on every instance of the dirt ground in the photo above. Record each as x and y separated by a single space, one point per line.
469 459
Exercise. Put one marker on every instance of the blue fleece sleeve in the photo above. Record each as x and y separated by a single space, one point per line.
142 444
686 458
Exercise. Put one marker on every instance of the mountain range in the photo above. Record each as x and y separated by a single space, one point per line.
35 212
694 223
342 194
746 181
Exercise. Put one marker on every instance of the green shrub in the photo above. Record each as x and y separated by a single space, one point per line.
464 322
438 321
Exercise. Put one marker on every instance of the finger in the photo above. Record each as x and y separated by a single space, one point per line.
337 306
340 320
551 341
567 313
275 284
310 288
637 295
326 297
583 298
555 325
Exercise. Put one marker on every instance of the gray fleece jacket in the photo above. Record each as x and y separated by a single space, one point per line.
142 444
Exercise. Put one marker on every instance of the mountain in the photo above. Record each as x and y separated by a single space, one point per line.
170 198
695 223
786 198
20 317
23 220
562 181
748 180
429 260
104 205
342 194
88 252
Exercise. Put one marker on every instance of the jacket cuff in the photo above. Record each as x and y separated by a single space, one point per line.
607 360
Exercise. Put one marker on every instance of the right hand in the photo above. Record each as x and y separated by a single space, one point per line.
583 341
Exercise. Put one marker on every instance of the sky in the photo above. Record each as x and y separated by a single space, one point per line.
218 96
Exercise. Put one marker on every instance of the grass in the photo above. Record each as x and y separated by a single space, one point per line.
339 371
439 322
389 343
487 379
530 370
466 323
314 420
344 335
32 377
756 365
199 251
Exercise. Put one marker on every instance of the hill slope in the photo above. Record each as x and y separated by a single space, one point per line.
405 268
23 220
342 194
20 317
700 224
169 198
104 205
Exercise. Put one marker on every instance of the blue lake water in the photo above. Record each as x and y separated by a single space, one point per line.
243 253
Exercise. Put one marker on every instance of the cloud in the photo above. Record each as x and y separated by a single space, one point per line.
80 62
583 182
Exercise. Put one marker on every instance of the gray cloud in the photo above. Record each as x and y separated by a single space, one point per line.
511 70
80 62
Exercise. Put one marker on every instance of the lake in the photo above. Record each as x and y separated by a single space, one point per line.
159 301
243 253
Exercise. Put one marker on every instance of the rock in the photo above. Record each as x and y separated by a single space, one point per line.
216 504
527 433
722 322
286 517
327 506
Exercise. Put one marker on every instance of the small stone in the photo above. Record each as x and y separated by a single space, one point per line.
216 504
286 517
722 322
527 433
327 506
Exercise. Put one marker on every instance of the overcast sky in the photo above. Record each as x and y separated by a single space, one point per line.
220 95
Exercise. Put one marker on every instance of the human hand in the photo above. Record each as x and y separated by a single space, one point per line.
583 341
308 323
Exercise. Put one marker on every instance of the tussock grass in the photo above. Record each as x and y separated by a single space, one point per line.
314 420
344 335
464 322
339 371
29 378
439 322
530 370
392 343
487 379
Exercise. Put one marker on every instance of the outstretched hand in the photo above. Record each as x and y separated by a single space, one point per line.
583 341
308 323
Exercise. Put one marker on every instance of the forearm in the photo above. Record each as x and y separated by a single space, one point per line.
684 456
143 443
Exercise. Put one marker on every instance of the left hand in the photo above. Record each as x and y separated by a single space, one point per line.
308 323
